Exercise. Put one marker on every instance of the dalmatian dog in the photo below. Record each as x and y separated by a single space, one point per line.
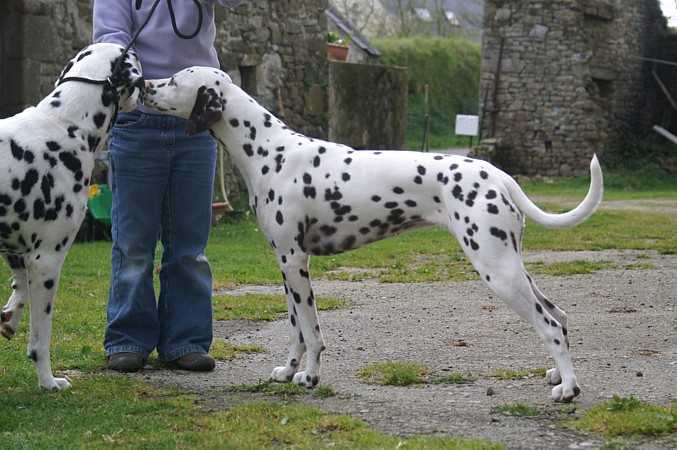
313 197
47 155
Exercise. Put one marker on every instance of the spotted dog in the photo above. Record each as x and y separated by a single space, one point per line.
47 155
313 197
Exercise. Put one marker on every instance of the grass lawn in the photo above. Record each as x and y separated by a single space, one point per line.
104 409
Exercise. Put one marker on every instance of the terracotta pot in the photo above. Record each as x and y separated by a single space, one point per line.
218 211
338 52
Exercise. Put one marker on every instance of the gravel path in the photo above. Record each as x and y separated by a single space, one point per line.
623 330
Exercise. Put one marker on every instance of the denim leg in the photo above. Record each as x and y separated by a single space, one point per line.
159 188
140 168
185 301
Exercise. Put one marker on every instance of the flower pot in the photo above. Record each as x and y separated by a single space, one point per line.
218 211
338 52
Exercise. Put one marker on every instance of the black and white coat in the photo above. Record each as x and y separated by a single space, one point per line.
47 154
313 197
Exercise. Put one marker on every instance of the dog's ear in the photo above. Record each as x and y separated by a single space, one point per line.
208 110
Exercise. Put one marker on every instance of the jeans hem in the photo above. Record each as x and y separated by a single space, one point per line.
127 349
183 351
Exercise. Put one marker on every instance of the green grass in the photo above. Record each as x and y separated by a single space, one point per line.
455 378
575 267
224 350
394 374
104 409
262 306
628 417
508 374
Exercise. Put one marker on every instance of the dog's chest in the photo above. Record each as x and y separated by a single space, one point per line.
43 184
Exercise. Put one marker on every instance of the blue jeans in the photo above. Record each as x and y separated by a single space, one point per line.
162 188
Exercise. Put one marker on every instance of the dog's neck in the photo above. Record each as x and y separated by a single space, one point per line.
70 108
253 136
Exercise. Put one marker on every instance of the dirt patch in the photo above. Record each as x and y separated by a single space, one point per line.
623 330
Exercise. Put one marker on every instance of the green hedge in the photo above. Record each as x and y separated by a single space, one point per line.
451 68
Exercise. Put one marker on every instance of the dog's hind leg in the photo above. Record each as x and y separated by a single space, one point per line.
500 267
552 376
12 311
304 328
44 277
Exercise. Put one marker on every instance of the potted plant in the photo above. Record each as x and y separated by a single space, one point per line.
337 47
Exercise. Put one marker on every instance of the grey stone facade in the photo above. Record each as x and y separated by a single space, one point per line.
276 50
561 80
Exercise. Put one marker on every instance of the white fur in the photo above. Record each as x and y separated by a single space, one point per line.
317 197
47 155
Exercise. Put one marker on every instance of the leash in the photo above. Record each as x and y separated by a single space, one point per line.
111 82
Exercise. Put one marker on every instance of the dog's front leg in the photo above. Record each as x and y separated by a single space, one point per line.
44 277
12 311
304 328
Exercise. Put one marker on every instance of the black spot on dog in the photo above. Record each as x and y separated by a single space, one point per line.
99 119
496 232
328 230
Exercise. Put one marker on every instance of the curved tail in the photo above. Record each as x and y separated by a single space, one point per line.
568 219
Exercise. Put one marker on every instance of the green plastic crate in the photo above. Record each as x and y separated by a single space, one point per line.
100 202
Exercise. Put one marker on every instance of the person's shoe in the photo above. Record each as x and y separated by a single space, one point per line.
126 362
196 362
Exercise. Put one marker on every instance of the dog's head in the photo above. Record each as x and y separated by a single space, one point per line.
97 62
196 94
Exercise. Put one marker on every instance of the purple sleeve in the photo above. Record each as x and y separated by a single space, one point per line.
112 20
230 3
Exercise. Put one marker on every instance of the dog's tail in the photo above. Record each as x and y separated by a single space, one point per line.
568 219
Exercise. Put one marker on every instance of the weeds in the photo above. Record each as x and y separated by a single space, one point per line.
628 417
395 374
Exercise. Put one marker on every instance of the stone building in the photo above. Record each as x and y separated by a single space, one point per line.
563 79
276 50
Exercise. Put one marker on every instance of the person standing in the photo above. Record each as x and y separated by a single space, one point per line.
162 182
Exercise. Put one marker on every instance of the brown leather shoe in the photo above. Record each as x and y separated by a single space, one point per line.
126 362
196 362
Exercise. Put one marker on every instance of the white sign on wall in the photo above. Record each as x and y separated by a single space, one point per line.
466 125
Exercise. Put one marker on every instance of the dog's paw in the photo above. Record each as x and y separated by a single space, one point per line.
565 395
282 374
552 376
306 380
57 384
6 329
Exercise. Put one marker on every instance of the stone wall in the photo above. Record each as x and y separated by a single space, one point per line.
561 80
38 38
275 49
369 105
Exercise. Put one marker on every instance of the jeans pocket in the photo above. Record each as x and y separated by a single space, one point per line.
134 119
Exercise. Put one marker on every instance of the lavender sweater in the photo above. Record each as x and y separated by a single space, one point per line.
161 51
